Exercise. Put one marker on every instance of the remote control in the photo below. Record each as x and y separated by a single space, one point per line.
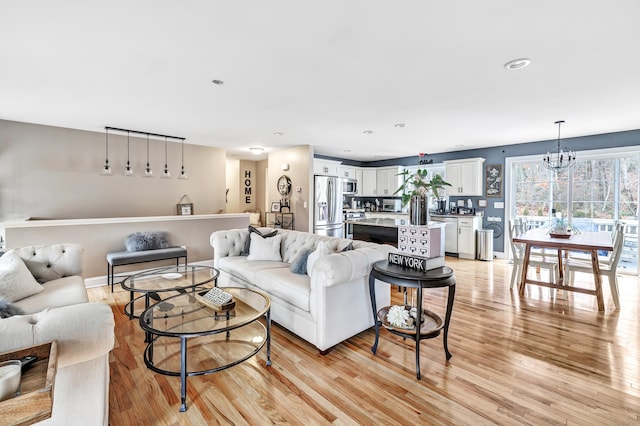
28 361
218 296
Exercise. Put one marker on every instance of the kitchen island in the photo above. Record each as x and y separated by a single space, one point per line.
379 230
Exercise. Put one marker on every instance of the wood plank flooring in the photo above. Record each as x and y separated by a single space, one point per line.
546 358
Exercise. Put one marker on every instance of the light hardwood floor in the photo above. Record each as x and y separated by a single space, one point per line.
545 358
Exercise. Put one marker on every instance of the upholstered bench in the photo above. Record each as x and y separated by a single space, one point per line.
143 247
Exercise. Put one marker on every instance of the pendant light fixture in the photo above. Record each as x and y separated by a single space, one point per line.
562 160
165 173
128 171
106 170
147 171
183 174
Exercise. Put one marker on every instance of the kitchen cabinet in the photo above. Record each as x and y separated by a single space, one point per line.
467 227
450 232
465 177
367 187
348 172
460 234
325 167
387 181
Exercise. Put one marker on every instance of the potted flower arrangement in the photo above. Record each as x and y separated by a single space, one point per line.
419 189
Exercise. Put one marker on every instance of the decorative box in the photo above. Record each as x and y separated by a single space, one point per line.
423 241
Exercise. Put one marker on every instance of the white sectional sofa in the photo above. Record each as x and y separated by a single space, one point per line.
327 305
84 331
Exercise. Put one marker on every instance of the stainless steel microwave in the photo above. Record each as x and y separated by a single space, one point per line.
349 186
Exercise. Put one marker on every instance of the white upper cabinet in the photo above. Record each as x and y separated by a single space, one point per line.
465 177
388 181
348 172
367 186
325 167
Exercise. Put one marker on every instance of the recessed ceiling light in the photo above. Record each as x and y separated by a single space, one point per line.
217 82
400 125
347 150
517 64
256 150
368 132
278 133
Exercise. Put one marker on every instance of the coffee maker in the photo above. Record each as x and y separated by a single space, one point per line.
441 206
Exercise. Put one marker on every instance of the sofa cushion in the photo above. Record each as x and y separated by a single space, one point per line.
265 248
247 270
16 282
61 292
285 285
139 241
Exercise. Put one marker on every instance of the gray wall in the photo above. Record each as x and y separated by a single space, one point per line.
54 173
497 155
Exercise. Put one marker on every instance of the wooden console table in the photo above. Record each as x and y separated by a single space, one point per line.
406 277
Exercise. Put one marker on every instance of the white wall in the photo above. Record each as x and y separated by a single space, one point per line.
300 160
233 185
101 236
54 173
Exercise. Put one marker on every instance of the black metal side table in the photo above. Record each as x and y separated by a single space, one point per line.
431 323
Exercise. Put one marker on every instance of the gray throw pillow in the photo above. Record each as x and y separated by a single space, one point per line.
8 309
299 265
140 241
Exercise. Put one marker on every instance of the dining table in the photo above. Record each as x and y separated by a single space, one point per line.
588 242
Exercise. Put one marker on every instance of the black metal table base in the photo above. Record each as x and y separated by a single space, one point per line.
183 373
405 277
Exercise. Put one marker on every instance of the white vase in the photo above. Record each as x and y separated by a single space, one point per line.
418 212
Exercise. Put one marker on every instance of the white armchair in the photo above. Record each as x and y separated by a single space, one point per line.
84 332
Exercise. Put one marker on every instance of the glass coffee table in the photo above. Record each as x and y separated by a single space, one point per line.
153 282
219 339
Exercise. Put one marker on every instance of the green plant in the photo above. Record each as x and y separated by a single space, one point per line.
418 184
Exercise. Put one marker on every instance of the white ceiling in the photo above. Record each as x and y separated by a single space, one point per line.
322 72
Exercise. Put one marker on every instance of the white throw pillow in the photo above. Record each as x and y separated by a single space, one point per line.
16 282
265 248
322 249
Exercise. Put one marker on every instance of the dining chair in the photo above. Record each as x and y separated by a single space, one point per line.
586 257
608 265
538 261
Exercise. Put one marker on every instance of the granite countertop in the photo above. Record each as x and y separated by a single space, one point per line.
389 223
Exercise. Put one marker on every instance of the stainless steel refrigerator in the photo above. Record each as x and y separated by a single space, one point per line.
327 206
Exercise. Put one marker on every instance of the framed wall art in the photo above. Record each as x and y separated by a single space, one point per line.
184 206
493 180
275 206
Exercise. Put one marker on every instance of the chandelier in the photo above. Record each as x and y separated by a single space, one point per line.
561 160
